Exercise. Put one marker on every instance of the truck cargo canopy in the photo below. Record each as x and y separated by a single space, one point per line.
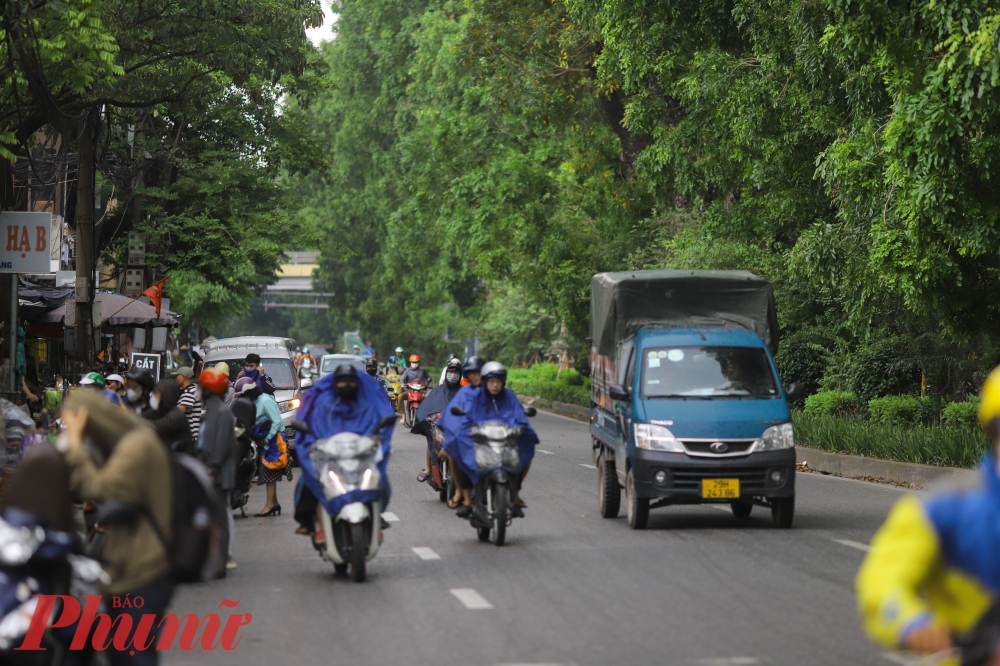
621 304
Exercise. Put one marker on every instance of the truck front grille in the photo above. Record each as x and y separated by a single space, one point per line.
702 447
690 478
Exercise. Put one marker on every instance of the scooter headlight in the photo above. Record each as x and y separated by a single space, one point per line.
776 438
335 483
656 438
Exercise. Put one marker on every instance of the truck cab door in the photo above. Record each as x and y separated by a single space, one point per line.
623 418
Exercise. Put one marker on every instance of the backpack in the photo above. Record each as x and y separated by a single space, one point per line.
197 549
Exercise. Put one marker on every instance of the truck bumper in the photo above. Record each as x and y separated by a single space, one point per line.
767 475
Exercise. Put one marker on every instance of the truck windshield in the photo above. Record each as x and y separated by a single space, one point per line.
707 373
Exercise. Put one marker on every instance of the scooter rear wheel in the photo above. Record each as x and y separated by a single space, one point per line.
340 568
445 480
359 552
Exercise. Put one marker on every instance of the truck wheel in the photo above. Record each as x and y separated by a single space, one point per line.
595 447
609 493
783 511
741 509
637 507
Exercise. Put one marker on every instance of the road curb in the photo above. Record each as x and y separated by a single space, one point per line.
841 464
911 474
577 412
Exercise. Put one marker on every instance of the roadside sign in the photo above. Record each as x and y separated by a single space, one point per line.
149 362
28 237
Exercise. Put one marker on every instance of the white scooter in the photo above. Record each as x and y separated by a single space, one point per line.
344 463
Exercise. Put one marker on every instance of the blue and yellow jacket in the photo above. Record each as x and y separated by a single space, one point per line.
935 559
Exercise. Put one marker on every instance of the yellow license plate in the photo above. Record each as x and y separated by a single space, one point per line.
720 488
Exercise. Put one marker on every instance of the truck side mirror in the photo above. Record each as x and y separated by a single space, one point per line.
386 422
458 411
617 392
795 392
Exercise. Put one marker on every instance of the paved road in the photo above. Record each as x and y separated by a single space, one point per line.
694 588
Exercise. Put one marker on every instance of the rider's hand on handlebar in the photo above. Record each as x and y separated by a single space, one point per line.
928 639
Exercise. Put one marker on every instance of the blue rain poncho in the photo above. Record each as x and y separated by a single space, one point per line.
328 415
482 407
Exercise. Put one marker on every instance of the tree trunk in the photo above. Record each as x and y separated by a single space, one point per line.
85 241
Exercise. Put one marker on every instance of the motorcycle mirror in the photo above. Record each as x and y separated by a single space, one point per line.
301 426
117 513
386 422
530 411
458 411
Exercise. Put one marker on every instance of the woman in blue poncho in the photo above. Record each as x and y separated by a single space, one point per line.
493 402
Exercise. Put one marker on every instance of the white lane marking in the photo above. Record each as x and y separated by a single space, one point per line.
425 553
560 416
587 466
390 517
730 661
471 599
528 664
548 453
853 544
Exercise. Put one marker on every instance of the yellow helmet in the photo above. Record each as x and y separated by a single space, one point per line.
989 398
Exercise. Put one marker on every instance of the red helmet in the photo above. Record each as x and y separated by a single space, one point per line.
214 381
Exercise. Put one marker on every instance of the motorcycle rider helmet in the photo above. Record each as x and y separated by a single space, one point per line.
345 381
392 359
473 364
453 371
244 385
214 381
494 369
143 377
222 367
371 366
989 403
93 379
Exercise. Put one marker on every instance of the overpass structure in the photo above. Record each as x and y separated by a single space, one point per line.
294 288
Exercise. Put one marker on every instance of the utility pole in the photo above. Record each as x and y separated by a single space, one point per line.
85 240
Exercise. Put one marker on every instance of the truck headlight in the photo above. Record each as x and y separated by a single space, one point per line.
656 438
776 438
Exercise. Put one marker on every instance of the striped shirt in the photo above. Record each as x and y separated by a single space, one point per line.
192 409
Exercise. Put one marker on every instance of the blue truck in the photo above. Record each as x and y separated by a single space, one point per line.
686 403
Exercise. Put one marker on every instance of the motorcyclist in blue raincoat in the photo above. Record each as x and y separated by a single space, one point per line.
493 402
343 401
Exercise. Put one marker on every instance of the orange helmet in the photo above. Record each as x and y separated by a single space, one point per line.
214 381
414 359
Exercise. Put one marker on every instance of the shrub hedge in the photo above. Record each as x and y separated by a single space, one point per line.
540 381
958 446
832 403
961 413
899 410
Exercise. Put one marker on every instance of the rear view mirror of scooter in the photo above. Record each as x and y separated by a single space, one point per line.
386 422
458 411
301 426
530 411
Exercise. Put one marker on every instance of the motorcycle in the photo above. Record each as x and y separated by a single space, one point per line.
344 463
415 394
306 372
246 453
499 466
441 479
35 560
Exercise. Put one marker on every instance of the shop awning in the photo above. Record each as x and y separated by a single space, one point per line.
117 310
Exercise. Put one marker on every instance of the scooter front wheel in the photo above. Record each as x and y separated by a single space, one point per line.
359 552
498 506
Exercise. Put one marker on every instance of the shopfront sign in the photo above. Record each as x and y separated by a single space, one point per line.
149 362
25 242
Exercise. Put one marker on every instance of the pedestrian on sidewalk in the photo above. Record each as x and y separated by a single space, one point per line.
217 442
267 412
136 469
166 417
190 402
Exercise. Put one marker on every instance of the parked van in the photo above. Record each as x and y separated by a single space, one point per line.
687 406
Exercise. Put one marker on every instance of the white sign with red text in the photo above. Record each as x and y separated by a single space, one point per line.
28 241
